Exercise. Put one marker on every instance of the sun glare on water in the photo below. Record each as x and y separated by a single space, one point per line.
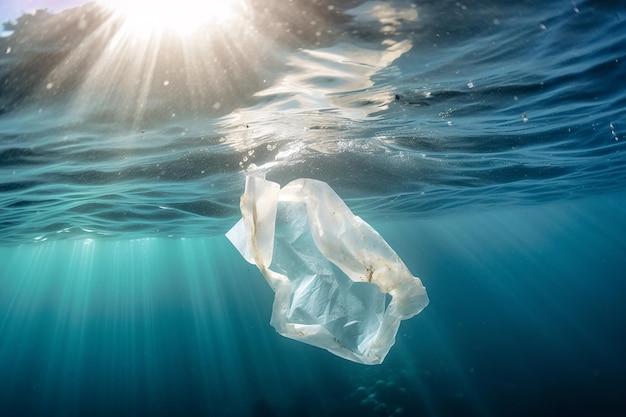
180 16
149 62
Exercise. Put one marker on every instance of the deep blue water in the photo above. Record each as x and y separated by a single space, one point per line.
484 141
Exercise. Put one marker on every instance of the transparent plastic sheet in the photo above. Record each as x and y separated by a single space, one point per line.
338 285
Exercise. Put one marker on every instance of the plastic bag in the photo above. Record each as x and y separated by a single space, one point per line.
338 285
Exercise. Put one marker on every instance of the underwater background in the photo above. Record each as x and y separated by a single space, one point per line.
484 140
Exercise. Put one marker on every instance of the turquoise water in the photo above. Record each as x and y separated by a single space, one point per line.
526 317
484 142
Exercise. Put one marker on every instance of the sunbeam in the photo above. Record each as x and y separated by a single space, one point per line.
145 17
143 64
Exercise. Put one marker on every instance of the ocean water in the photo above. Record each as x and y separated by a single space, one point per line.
484 141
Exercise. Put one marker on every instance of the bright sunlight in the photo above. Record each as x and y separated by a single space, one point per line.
181 16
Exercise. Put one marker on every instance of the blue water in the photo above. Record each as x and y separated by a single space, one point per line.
484 141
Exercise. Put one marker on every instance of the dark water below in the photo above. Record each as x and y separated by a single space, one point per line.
484 141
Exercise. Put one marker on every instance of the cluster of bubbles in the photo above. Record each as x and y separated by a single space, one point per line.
384 398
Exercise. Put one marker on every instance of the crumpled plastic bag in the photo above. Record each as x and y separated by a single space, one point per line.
338 285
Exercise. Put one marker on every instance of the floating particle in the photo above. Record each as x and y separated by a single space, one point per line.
615 137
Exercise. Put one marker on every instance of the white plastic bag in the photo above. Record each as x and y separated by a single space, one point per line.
331 272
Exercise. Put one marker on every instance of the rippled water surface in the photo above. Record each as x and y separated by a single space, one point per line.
484 140
406 108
